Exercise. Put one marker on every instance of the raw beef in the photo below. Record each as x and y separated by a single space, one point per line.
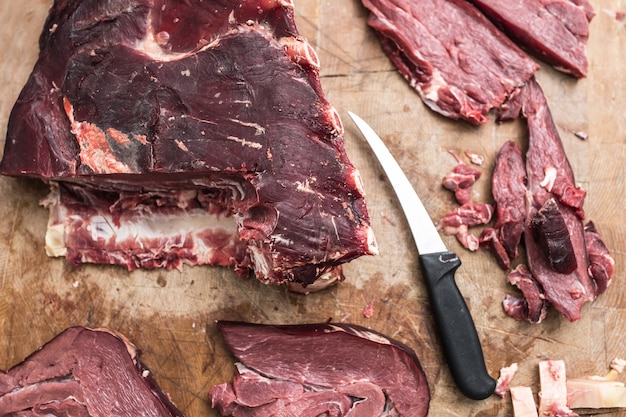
460 180
200 127
550 176
319 369
555 31
458 61
508 186
569 264
601 263
532 306
83 372
458 221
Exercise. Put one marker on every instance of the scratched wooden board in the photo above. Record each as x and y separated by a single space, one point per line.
170 314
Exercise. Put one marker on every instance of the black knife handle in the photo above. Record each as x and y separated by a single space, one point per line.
455 326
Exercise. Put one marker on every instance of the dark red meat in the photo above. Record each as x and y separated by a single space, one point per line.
532 306
508 185
601 263
219 98
352 371
458 61
550 232
550 176
555 31
83 372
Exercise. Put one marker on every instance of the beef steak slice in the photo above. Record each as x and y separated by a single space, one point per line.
320 369
83 372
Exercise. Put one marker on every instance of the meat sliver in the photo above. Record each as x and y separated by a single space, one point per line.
162 108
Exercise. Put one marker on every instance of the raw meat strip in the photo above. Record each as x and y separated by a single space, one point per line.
220 99
458 61
83 372
508 185
555 31
550 176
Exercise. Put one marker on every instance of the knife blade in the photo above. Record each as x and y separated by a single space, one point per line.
455 326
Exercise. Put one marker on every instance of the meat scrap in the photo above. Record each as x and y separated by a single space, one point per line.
553 393
458 221
83 372
554 31
504 380
601 263
352 371
508 186
460 180
142 114
458 61
532 306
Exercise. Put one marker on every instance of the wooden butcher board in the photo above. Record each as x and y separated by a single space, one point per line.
170 315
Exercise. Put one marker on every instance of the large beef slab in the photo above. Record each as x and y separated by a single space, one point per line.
145 114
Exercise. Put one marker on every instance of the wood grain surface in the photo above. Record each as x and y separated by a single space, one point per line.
170 315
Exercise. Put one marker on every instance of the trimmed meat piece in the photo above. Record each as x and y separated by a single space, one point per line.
221 99
550 176
508 186
504 380
533 306
601 263
490 240
460 180
337 369
458 221
523 402
555 31
458 61
83 372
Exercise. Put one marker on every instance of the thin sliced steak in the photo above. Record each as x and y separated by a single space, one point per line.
555 31
458 61
137 98
83 372
312 369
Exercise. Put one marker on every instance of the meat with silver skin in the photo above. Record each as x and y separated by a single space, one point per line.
354 372
217 98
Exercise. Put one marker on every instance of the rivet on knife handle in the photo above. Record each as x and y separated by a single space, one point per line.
455 325
454 321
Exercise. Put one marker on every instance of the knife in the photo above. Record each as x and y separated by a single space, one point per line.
455 325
